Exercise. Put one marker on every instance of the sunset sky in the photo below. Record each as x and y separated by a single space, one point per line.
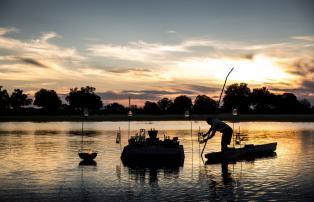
152 49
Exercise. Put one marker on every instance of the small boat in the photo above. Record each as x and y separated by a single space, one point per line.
151 151
248 152
87 155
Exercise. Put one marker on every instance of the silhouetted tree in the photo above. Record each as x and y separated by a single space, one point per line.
151 108
204 105
288 103
84 98
237 96
4 99
262 101
305 105
19 99
135 109
115 108
48 99
165 104
181 104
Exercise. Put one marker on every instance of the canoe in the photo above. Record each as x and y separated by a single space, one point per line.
248 152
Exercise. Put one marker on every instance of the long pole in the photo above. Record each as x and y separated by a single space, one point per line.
218 104
222 90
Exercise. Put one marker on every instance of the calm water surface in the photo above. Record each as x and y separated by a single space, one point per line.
39 162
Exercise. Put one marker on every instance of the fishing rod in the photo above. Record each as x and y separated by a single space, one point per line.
222 90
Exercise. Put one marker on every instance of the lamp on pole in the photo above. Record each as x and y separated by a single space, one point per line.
234 114
130 114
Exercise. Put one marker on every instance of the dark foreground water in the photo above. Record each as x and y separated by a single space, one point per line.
39 162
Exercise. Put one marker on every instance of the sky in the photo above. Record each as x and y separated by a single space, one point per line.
153 49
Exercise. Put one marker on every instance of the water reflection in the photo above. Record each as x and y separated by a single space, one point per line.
88 133
226 175
46 132
40 163
13 132
88 163
150 175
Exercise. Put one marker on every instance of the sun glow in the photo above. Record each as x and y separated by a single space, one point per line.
258 70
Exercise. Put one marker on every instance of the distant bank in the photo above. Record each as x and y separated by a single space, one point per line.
141 117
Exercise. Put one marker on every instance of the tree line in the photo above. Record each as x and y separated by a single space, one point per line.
236 96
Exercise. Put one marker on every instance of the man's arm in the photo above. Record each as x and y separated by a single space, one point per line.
211 133
206 134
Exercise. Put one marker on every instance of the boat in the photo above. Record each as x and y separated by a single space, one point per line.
151 151
248 152
87 155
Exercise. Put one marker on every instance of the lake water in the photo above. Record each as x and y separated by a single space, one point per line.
39 162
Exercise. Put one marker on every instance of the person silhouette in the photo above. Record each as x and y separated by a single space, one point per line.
218 125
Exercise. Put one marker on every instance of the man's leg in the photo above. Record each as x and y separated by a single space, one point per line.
226 139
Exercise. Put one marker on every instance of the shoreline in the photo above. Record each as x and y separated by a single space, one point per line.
142 117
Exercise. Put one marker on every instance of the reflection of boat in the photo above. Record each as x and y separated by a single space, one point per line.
245 153
88 163
152 151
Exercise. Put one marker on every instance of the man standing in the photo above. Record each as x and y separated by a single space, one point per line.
217 125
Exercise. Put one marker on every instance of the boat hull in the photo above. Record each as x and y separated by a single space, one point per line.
152 156
86 156
249 152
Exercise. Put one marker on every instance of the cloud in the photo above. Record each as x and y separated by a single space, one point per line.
201 89
22 56
309 85
303 67
33 62
144 95
248 56
38 48
307 38
171 32
136 51
192 66
128 70
5 30
201 48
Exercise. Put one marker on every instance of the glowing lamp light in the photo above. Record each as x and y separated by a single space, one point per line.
85 112
234 112
130 113
187 114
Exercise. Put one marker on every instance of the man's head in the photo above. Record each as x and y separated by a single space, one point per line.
209 120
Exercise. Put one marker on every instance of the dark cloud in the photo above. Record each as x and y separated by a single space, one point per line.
109 95
248 56
127 70
141 94
160 92
33 62
7 70
306 90
201 89
303 67
298 92
308 85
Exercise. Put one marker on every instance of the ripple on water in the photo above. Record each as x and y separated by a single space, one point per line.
41 163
